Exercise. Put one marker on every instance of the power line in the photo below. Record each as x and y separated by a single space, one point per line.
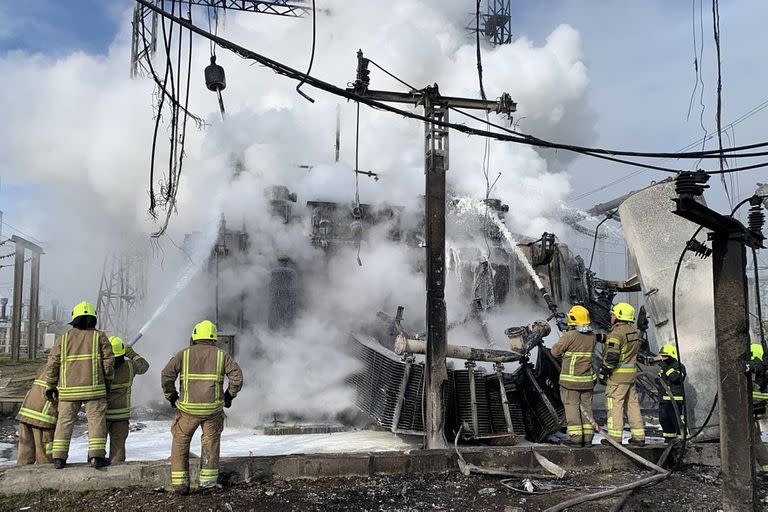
37 240
294 74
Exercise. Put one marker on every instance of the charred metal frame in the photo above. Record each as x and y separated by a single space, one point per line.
140 52
436 161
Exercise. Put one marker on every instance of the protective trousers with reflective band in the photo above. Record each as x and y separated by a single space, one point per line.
183 427
35 445
579 428
618 399
670 427
95 412
118 433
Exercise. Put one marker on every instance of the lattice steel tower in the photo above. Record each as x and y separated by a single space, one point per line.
495 23
121 292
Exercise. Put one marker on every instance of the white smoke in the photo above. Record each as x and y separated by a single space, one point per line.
79 130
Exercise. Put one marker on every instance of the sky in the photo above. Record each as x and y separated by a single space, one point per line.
639 58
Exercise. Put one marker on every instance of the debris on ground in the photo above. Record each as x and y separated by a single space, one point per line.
683 490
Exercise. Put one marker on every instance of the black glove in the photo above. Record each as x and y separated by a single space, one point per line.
228 399
52 394
601 337
603 374
174 396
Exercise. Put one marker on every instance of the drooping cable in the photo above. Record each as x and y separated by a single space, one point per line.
312 55
597 231
719 110
287 71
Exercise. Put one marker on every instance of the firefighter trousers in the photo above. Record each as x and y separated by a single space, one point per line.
761 451
579 428
118 433
35 445
618 399
96 413
670 426
183 427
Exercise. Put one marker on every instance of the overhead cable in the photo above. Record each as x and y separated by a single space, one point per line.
285 70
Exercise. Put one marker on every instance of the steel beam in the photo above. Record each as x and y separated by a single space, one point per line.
34 306
737 443
18 289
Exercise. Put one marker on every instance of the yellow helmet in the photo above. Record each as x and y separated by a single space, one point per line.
578 315
624 312
118 348
205 330
756 350
83 309
669 351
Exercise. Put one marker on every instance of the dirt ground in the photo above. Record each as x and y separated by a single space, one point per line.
694 489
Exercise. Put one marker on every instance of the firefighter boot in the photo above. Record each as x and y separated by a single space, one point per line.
99 462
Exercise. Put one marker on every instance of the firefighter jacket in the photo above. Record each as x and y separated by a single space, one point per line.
201 369
80 364
119 394
620 354
672 372
37 410
577 350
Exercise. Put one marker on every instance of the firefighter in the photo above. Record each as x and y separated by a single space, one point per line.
618 372
37 421
128 364
672 373
80 366
759 396
200 369
576 347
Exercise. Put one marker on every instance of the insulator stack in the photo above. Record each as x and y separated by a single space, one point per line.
691 184
215 79
756 219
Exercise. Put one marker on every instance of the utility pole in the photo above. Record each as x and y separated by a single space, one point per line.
436 107
730 239
22 245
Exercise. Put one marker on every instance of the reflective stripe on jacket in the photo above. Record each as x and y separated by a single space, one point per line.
577 350
201 369
37 410
79 365
673 373
119 396
620 355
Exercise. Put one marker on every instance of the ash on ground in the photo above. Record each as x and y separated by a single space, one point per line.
691 489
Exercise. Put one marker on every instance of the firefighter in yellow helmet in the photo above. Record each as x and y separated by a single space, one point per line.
128 364
759 373
672 373
80 366
576 348
37 421
201 369
619 373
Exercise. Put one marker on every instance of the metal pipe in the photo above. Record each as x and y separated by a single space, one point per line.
401 393
405 345
499 368
470 366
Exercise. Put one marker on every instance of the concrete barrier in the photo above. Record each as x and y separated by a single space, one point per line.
156 474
